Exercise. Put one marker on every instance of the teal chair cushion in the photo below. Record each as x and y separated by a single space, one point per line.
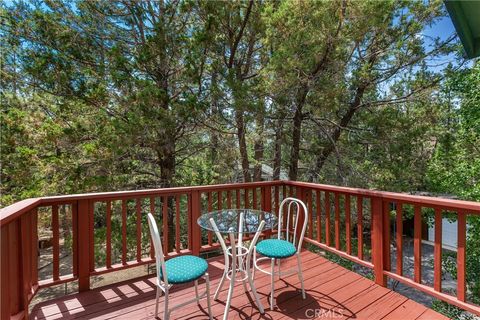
275 248
185 269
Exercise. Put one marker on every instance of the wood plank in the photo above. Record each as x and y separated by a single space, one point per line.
152 211
417 244
254 191
277 199
318 207
387 260
83 246
219 200
308 195
165 222
55 243
381 307
437 255
138 222
210 209
407 310
238 201
93 303
124 232
108 247
430 314
377 241
461 250
91 233
35 245
327 218
360 226
337 221
329 287
5 272
177 223
229 199
347 224
399 238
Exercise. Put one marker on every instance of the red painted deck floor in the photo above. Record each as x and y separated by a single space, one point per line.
333 292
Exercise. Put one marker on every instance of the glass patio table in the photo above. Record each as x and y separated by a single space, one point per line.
236 223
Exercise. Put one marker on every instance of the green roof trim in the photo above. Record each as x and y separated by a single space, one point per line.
465 16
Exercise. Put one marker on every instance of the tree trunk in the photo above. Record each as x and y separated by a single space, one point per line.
259 146
239 117
277 160
347 117
296 134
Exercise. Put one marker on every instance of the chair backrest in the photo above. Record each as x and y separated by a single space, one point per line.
157 244
293 206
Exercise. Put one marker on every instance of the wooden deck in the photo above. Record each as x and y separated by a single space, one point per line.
332 292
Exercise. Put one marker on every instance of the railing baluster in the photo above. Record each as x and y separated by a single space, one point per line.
124 232
318 206
152 211
177 223
387 261
254 191
247 201
108 247
417 244
91 230
210 209
377 241
195 236
219 200
229 199
337 221
308 195
138 221
347 224
277 199
239 204
165 222
83 245
437 259
327 218
35 245
55 245
399 235
360 226
461 246
74 237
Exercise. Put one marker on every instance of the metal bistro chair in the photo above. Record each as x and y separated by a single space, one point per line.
177 270
278 249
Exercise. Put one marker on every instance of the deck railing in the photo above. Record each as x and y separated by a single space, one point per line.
352 223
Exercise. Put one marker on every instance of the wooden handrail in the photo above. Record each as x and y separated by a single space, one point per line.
331 220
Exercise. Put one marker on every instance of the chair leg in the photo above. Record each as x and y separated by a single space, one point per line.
209 305
272 293
166 313
196 291
156 302
300 276
278 262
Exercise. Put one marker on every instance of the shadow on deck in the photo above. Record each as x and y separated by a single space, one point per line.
333 292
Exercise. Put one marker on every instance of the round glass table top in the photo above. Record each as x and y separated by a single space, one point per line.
228 220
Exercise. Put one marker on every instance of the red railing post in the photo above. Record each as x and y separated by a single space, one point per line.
196 236
83 245
377 240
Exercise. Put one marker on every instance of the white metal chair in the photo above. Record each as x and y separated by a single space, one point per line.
177 270
283 248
